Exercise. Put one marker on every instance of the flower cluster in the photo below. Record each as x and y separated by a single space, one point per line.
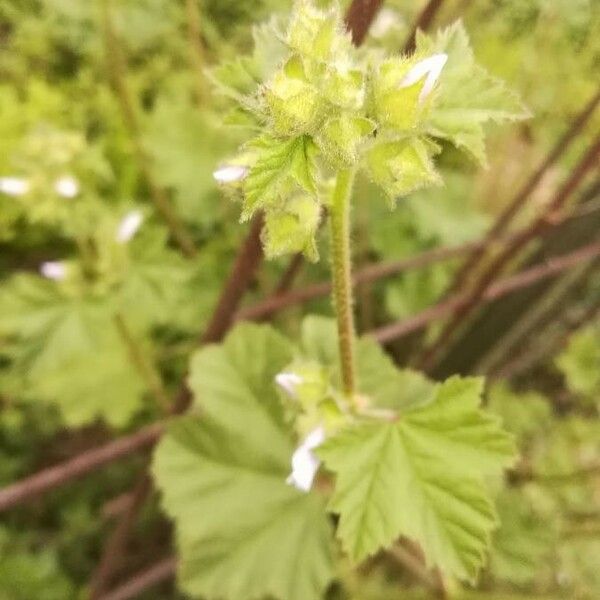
329 107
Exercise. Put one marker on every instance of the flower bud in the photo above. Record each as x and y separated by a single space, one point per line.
230 174
430 68
14 186
67 187
54 270
129 225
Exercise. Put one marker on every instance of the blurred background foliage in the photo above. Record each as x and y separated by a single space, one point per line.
114 98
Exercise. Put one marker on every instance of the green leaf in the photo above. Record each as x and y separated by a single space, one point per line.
154 281
66 350
280 167
421 477
242 531
185 145
468 95
401 167
241 77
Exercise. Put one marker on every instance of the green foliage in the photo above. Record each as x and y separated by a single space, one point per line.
263 536
26 575
430 459
183 144
310 105
430 462
524 539
68 347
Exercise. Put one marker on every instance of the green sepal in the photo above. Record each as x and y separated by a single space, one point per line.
317 34
295 106
340 138
343 89
292 228
392 105
402 167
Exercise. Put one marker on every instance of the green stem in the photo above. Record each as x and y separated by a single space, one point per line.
196 48
117 66
144 367
341 267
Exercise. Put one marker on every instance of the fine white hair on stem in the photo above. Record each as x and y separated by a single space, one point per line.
67 186
54 270
14 186
230 174
430 68
304 462
288 383
129 226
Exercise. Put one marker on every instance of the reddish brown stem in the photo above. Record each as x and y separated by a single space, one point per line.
553 346
359 17
242 274
589 160
46 480
519 201
422 23
502 288
157 573
112 552
49 479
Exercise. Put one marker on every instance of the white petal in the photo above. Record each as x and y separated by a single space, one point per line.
288 382
54 270
14 186
429 67
304 463
129 225
230 174
67 187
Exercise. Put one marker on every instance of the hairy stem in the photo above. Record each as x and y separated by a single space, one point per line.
341 268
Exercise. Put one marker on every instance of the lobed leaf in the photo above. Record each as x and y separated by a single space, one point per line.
421 477
242 531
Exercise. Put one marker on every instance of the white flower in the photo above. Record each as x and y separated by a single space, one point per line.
304 463
429 67
67 186
14 186
54 270
288 382
129 225
230 174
